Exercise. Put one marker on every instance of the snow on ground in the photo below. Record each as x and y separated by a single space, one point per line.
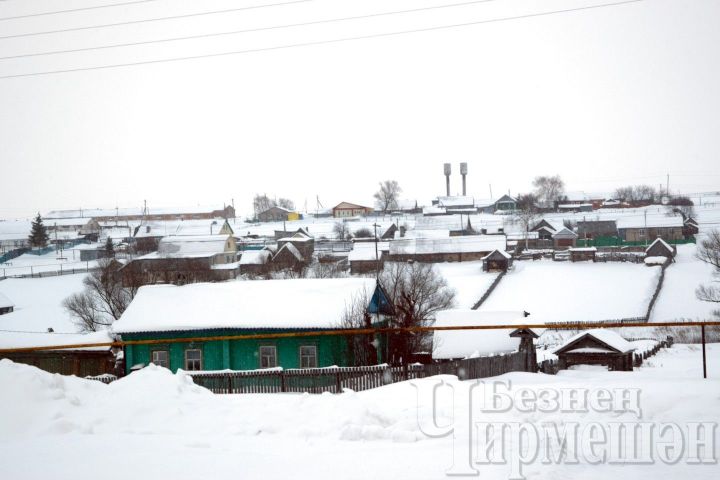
571 292
677 298
31 264
38 303
153 424
468 280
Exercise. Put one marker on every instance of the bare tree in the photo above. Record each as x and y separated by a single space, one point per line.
362 348
709 252
386 198
548 189
417 292
636 195
526 213
683 205
286 203
342 231
103 300
262 202
363 233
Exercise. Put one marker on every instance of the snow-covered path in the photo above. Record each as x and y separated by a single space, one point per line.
156 425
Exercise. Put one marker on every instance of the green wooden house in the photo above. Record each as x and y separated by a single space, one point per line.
198 311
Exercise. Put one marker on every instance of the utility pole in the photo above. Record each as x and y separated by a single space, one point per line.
667 187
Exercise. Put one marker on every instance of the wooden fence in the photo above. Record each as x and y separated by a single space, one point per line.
335 379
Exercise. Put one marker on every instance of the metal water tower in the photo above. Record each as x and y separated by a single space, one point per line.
447 170
463 172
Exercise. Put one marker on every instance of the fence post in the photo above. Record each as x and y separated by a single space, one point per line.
338 387
283 387
702 335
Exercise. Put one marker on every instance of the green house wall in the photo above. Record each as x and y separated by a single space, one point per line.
237 354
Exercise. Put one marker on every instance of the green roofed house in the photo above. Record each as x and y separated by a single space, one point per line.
197 312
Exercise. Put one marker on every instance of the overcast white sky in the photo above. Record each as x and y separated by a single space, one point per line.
604 97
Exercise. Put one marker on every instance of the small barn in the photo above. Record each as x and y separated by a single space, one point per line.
497 261
255 262
582 254
690 227
288 257
362 258
276 214
596 347
564 239
660 248
6 306
305 244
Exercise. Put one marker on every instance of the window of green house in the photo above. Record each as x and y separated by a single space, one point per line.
308 356
161 358
193 359
268 356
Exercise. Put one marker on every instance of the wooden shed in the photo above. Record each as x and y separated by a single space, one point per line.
660 248
497 260
596 347
564 239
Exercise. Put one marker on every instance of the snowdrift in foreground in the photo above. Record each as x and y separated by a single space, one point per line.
155 401
153 424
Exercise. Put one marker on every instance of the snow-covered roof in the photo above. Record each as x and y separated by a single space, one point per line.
455 201
132 211
573 206
583 249
432 209
501 252
432 233
306 303
293 251
661 242
5 301
651 221
468 244
24 339
192 245
474 343
565 233
255 257
366 251
66 222
608 337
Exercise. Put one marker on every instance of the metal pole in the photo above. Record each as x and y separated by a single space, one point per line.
702 335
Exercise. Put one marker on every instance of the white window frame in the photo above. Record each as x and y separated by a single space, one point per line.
187 367
262 356
314 356
166 352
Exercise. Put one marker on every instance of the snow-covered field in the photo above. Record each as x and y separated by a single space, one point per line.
571 292
468 280
677 298
153 424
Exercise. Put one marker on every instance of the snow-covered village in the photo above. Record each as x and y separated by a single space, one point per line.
339 239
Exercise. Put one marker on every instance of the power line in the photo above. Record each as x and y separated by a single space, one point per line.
75 10
148 20
235 32
47 333
321 42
